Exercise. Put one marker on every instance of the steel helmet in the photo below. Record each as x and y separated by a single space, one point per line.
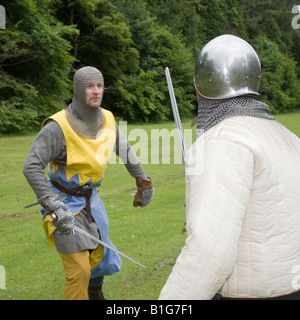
227 67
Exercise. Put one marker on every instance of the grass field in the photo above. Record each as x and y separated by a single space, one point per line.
150 235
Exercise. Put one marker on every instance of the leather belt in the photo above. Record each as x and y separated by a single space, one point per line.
78 192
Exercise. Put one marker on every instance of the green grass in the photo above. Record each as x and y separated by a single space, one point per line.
150 235
291 121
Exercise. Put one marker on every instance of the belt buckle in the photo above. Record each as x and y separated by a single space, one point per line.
83 189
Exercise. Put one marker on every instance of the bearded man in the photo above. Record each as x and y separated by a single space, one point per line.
77 142
242 191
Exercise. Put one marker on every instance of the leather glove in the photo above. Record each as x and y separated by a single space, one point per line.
145 192
64 221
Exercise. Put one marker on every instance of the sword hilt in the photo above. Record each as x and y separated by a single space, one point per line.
55 218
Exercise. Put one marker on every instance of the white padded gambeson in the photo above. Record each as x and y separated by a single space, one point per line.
243 213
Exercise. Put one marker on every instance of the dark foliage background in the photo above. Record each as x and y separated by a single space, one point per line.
132 42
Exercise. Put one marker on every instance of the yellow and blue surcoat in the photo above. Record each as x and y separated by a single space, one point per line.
86 164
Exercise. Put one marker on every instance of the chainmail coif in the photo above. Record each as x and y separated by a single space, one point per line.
211 112
86 121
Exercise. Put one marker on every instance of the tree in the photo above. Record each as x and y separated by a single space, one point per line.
34 59
105 41
132 42
158 48
198 21
125 47
279 86
201 21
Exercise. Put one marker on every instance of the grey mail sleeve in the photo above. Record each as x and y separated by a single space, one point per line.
48 145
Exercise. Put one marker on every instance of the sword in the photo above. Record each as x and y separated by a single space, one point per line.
37 202
106 245
54 217
88 235
176 117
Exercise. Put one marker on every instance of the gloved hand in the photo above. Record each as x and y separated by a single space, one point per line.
145 192
64 221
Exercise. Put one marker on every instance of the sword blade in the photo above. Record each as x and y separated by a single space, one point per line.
31 205
37 202
90 236
106 245
176 116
